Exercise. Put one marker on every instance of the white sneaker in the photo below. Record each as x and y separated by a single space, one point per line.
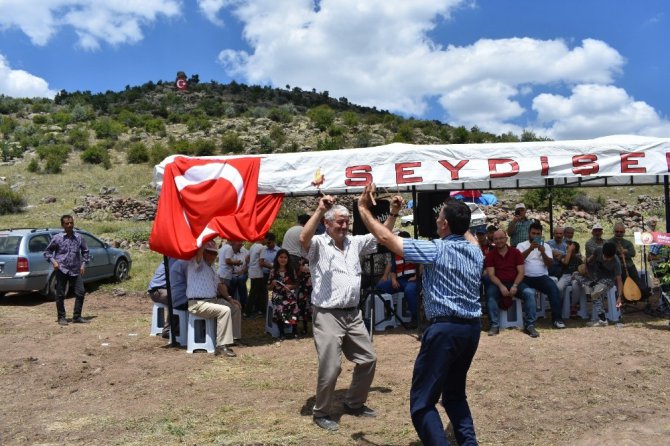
597 323
559 324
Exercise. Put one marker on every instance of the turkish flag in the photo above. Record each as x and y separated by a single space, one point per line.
204 198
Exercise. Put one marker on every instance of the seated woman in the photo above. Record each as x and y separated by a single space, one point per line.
283 282
403 277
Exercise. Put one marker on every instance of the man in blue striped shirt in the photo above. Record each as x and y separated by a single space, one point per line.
452 274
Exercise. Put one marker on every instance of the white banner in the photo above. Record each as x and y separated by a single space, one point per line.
400 167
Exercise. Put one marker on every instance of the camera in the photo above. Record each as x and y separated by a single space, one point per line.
538 240
517 212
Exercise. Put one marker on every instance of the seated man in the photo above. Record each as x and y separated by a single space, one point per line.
626 253
157 291
603 272
538 258
202 290
403 278
505 270
233 268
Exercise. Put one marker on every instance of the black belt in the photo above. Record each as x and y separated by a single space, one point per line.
201 298
454 320
154 289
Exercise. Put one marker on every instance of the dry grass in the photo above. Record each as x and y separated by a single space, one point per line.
111 383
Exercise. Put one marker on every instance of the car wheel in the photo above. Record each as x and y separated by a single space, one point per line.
121 270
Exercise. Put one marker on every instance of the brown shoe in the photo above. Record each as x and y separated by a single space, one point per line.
225 351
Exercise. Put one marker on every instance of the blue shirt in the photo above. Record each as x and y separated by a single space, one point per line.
158 280
70 251
178 275
451 277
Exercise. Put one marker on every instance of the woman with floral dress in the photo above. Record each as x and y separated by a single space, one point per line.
283 282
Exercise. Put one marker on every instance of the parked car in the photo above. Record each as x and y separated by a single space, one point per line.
477 217
23 267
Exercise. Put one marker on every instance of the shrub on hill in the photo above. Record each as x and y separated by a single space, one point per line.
10 202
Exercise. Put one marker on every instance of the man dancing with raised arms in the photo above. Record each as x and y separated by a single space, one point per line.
452 269
334 262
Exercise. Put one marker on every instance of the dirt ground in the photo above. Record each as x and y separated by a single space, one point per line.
109 382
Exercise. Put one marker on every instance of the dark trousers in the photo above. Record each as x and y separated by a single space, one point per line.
258 296
75 283
441 370
546 285
237 288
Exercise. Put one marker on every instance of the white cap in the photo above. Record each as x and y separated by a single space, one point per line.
596 226
211 246
520 206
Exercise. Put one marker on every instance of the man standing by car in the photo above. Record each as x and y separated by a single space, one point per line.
68 254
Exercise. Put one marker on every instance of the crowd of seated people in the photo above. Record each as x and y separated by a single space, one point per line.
519 263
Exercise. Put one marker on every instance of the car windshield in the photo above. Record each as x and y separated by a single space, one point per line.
9 244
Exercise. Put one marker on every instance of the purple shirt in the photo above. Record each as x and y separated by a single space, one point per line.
69 251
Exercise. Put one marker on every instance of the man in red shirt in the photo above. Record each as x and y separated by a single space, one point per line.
505 269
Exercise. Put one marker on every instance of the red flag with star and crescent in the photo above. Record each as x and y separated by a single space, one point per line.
205 198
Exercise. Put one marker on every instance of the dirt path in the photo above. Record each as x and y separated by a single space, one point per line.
109 382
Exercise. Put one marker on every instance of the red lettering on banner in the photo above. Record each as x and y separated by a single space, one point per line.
454 169
585 165
667 160
545 166
403 170
358 176
493 167
629 161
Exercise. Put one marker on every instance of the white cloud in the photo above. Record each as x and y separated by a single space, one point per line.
379 53
21 84
593 110
112 21
211 8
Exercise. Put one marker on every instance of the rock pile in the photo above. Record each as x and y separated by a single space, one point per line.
116 208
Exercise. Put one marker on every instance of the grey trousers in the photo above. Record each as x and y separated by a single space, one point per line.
338 332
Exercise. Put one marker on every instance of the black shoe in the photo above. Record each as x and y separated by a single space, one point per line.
363 411
532 332
62 321
80 320
225 351
326 423
239 343
494 331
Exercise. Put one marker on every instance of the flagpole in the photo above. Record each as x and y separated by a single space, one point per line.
171 319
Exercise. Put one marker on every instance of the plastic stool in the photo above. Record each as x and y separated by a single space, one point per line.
201 334
401 307
583 307
182 323
383 319
158 319
613 313
513 316
567 302
270 326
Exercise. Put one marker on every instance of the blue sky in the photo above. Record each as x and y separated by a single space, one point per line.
565 69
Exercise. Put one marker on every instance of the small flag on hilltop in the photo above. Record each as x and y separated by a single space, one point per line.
181 82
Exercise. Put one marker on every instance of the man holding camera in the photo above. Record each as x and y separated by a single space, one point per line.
538 257
518 227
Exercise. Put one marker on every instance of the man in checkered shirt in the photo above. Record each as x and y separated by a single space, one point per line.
334 262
